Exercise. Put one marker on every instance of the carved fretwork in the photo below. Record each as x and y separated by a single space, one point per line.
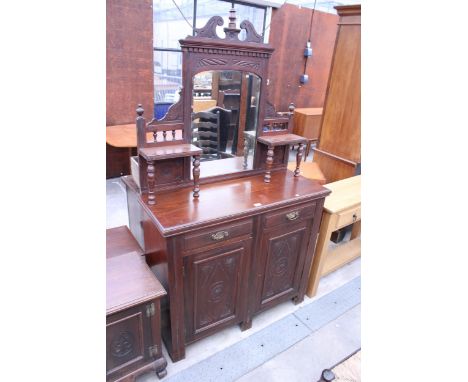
211 61
174 113
246 64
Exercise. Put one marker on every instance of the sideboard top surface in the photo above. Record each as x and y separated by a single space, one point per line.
176 211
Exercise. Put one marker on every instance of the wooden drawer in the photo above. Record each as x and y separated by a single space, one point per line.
348 217
289 215
218 234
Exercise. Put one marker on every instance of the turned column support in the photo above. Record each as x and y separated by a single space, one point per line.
300 150
151 181
269 164
196 176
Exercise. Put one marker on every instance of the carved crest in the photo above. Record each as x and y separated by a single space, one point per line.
250 32
209 30
232 32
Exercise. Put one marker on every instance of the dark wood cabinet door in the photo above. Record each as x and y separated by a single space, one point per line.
128 339
214 284
280 263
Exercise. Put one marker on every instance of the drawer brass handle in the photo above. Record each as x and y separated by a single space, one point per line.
220 235
354 217
293 215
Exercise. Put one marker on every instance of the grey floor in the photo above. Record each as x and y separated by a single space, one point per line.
337 337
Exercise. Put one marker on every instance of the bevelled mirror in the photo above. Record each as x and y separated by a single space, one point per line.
225 105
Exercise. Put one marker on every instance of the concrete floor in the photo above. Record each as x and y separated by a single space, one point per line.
304 361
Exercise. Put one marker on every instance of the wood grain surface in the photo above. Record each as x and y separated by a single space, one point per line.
166 152
129 281
289 32
119 240
346 193
283 139
177 211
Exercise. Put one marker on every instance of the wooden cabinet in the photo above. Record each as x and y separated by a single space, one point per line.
339 149
244 247
133 316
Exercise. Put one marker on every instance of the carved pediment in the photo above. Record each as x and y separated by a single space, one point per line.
232 32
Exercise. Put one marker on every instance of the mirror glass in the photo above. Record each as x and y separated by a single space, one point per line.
224 120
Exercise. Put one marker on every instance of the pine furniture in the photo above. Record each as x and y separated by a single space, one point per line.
339 149
342 208
307 122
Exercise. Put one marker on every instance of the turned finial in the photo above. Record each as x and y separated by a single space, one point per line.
140 110
232 32
291 107
232 18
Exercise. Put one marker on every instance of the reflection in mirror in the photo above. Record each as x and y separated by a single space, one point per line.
224 120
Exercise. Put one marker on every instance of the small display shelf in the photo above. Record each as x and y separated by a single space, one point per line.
155 153
271 141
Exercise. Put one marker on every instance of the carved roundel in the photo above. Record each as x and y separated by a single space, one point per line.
217 291
122 345
280 266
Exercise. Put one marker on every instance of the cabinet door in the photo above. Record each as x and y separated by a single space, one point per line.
213 290
128 339
281 260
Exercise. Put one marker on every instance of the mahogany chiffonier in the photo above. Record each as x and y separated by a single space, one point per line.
133 323
237 235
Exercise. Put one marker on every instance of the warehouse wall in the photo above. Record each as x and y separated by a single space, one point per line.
289 33
129 58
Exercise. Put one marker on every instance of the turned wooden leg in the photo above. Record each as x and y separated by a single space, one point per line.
150 181
269 164
307 150
300 150
246 151
196 176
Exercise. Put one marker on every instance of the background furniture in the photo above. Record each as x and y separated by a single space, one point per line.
342 208
307 123
121 145
133 323
206 134
339 149
309 170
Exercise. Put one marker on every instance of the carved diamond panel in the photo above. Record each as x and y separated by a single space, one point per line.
283 254
216 281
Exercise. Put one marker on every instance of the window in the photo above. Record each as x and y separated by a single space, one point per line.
170 24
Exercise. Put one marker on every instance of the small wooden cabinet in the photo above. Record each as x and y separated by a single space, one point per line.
133 319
